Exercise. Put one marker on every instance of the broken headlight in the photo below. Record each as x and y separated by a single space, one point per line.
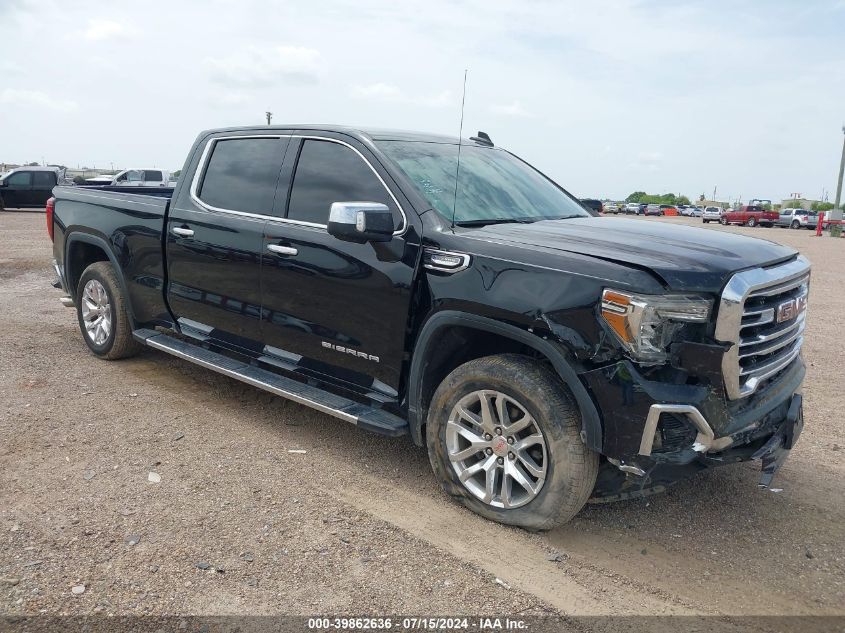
647 324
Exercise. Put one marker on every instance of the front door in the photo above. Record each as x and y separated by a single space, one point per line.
336 307
214 239
18 189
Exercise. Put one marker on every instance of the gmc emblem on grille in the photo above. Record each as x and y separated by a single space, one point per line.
789 310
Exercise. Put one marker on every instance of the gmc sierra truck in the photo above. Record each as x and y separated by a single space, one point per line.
542 355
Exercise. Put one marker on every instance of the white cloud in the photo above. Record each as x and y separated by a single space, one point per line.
513 109
100 29
258 66
379 91
37 99
392 94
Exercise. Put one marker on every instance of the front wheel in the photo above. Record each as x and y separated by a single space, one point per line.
723 221
796 224
752 222
503 436
102 314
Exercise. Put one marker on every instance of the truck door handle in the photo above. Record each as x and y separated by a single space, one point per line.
182 232
282 250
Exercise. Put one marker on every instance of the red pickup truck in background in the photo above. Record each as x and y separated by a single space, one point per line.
750 215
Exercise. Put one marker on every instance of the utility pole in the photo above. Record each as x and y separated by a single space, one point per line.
837 209
269 117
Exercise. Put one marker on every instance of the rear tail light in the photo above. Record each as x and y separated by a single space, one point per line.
51 203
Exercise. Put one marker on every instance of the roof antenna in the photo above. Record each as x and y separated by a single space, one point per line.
460 140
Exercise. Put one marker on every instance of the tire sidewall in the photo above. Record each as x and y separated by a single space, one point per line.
546 505
89 274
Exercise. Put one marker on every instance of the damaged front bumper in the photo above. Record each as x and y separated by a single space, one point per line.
657 433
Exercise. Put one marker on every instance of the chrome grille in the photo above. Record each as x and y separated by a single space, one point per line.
748 319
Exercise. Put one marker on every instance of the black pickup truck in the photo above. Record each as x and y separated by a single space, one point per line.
541 354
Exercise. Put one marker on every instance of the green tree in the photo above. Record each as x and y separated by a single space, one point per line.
636 196
177 173
821 206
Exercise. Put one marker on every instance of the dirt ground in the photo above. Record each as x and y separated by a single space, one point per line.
239 524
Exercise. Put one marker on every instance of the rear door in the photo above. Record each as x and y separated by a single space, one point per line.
214 238
332 306
42 187
152 178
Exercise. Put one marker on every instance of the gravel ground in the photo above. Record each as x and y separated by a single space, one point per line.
239 524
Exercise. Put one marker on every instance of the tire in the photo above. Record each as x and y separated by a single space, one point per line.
751 222
705 221
795 224
527 390
100 299
2 204
723 221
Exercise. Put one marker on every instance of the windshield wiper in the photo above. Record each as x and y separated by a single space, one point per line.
486 221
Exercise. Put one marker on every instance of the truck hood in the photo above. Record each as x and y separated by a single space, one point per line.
684 258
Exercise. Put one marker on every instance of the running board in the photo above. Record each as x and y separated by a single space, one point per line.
368 418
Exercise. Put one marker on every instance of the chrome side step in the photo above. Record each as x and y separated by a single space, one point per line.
368 418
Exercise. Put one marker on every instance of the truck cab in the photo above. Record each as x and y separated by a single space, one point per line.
142 178
27 187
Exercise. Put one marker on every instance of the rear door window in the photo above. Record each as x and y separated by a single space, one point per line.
329 172
44 179
242 174
153 176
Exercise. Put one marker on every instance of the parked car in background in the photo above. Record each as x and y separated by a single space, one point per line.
750 215
28 186
142 178
798 218
593 205
610 207
668 209
643 207
652 209
696 212
633 207
713 214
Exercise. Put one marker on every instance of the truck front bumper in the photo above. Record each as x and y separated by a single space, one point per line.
657 433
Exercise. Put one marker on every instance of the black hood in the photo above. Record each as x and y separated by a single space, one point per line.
685 258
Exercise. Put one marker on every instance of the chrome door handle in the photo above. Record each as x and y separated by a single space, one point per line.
177 230
282 250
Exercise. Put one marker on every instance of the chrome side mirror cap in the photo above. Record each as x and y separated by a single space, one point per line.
360 222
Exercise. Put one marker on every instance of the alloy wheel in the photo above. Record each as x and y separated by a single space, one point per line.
496 449
96 312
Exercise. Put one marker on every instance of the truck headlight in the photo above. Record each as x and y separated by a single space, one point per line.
647 324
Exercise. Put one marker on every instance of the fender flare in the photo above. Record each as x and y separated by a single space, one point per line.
591 428
99 242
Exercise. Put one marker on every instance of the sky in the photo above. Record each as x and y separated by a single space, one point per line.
607 97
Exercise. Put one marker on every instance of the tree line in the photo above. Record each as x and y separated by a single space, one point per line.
646 198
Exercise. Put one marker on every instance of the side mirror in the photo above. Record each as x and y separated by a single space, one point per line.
360 222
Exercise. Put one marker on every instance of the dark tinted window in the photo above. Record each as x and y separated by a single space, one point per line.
242 175
153 176
329 172
20 179
43 179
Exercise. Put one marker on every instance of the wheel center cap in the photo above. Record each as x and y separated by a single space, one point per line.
500 446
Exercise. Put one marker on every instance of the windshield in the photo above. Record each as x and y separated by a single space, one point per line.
493 185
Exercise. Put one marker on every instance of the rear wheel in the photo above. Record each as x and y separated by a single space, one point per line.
102 314
705 221
751 222
796 224
503 437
